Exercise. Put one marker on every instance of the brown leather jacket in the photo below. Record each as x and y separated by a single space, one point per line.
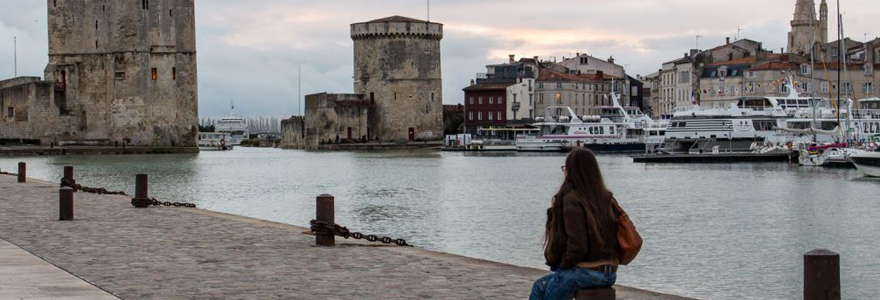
575 241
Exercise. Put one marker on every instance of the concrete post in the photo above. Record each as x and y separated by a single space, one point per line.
821 275
141 196
68 173
325 212
22 172
65 205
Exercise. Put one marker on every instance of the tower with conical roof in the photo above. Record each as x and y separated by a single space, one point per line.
805 28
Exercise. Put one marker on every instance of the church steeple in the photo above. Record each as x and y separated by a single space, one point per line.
805 28
823 22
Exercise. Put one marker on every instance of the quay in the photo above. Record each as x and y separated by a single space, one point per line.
186 253
91 150
712 158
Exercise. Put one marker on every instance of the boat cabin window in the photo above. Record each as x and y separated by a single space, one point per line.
799 125
764 125
610 130
829 125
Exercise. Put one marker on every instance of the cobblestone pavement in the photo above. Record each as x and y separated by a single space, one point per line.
183 253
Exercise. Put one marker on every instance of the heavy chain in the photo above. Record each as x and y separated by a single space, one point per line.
102 191
321 227
80 188
155 202
7 173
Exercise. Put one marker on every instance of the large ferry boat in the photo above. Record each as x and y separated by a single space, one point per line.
236 127
615 129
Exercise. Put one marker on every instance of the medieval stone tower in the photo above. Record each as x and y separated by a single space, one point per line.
802 34
397 67
124 71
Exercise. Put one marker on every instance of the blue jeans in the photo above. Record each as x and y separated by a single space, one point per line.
563 284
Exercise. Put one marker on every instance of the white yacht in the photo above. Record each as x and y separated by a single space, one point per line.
236 127
767 121
616 129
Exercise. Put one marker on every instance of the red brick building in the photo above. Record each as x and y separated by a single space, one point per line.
485 106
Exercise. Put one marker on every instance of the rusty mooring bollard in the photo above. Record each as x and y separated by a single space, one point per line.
141 196
22 172
325 213
821 275
65 204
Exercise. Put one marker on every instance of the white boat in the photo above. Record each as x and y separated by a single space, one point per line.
825 155
214 141
772 122
868 163
236 127
616 129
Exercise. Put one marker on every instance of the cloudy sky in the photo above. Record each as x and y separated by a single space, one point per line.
250 51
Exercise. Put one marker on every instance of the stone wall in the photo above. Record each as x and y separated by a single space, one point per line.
397 67
119 71
292 132
329 119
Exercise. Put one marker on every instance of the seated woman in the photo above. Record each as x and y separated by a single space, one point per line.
580 241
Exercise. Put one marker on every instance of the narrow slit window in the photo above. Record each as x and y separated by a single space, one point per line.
174 73
155 74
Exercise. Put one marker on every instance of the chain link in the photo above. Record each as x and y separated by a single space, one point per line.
91 190
321 227
102 191
7 173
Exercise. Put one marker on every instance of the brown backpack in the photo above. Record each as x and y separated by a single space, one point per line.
629 239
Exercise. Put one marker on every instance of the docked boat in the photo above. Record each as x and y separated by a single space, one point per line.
828 155
868 163
236 127
214 141
615 129
769 122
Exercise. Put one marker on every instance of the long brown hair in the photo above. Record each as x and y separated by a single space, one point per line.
584 178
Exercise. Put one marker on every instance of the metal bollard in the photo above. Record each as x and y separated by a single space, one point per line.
68 174
22 172
821 275
325 212
65 204
141 196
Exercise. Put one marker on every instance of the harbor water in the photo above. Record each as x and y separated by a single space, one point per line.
712 231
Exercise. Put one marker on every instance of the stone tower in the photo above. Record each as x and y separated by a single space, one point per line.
397 67
124 71
802 34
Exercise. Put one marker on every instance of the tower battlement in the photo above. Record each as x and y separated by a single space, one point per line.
397 27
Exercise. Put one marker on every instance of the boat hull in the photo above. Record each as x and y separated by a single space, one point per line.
868 164
564 147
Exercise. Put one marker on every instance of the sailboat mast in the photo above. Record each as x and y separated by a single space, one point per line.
812 66
840 53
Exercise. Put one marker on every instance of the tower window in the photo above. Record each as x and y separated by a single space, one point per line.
174 73
154 74
145 4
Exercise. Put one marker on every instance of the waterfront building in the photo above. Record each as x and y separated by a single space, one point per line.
582 92
119 71
397 67
485 106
